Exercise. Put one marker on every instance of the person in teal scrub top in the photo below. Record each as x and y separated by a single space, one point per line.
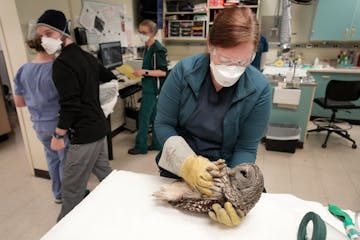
153 74
213 106
263 47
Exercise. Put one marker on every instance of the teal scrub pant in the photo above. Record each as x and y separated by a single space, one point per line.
146 116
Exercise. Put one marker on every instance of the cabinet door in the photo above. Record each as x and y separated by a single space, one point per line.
299 116
333 20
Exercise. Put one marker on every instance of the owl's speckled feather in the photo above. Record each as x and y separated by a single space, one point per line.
241 186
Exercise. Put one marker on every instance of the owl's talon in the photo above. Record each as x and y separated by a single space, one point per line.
215 188
217 180
215 174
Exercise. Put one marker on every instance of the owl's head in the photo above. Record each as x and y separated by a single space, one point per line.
247 178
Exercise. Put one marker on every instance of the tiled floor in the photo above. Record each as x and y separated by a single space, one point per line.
331 175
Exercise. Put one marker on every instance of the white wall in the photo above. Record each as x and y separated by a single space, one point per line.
301 21
15 55
268 7
32 9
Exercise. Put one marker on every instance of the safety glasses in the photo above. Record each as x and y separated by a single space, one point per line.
224 60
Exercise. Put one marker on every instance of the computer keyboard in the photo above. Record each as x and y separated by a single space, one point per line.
130 90
115 72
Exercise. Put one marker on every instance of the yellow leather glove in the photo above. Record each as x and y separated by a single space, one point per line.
194 170
227 215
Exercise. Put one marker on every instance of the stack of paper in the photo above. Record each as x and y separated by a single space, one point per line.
128 71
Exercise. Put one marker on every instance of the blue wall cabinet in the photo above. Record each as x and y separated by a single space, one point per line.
336 20
323 79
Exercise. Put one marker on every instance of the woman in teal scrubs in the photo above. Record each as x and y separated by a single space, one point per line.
153 74
214 105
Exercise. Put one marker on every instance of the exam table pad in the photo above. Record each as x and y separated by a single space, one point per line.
122 207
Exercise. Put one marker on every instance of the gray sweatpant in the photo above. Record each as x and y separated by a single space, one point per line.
81 160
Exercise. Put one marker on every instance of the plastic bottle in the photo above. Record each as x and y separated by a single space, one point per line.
339 58
343 56
299 59
289 75
316 62
122 24
351 57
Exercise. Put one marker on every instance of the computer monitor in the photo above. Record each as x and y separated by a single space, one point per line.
110 54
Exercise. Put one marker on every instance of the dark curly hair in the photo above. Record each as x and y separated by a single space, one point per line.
35 44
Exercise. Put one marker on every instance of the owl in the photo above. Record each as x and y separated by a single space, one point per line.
241 186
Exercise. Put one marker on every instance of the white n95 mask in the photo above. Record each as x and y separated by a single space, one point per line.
225 75
51 45
144 38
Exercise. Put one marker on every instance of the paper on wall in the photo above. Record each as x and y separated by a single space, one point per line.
87 18
108 21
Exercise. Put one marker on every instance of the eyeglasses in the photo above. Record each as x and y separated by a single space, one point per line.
230 61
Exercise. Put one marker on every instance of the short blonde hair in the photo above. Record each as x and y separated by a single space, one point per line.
233 26
150 24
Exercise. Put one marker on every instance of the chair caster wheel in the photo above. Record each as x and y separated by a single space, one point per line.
323 146
354 146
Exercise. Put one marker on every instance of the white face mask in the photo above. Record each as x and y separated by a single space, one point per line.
225 75
51 45
144 38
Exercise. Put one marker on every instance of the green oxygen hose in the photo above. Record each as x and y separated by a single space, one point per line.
350 229
319 230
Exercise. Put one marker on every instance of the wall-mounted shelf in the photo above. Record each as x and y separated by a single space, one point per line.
186 29
183 13
183 38
174 17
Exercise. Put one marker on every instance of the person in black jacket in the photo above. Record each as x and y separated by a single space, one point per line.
77 76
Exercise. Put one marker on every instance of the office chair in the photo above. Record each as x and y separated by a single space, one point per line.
338 96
